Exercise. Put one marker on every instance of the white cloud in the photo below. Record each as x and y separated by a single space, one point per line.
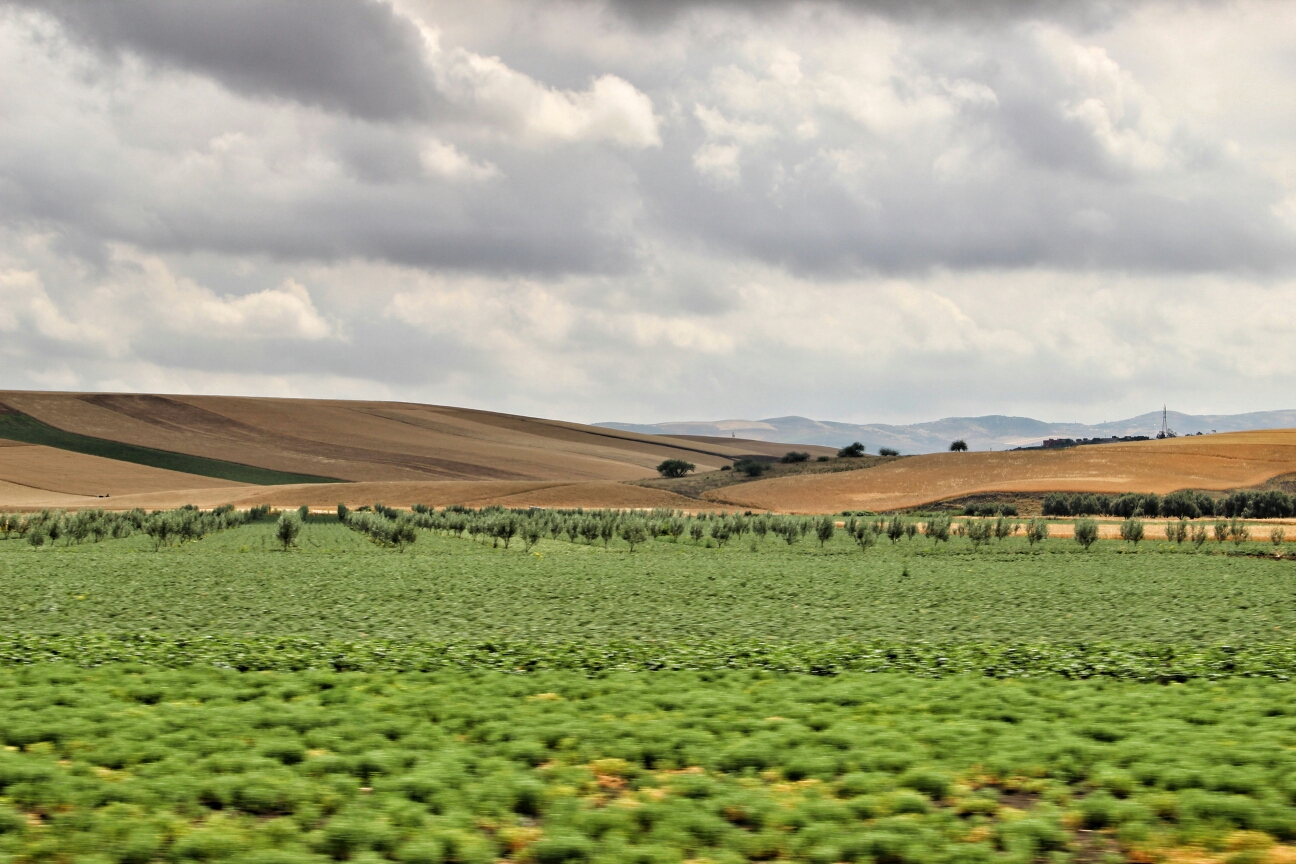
801 208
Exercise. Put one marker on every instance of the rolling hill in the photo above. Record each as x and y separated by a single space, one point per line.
71 447
126 450
1211 462
992 432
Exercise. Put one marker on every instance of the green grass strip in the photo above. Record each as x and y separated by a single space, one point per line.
1134 662
16 426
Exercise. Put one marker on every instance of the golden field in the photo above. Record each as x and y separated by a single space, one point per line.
1227 461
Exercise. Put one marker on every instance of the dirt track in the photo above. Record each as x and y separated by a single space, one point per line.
1228 461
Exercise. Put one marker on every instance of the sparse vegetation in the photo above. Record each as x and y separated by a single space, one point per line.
793 457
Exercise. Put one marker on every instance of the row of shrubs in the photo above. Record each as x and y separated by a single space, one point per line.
163 527
1269 504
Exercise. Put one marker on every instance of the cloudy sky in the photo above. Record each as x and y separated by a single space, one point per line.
865 211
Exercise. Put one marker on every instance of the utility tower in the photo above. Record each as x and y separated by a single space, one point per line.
1166 431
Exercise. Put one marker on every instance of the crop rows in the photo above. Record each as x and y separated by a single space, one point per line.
337 584
1147 662
555 768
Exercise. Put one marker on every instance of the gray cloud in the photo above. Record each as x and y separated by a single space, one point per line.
356 56
868 211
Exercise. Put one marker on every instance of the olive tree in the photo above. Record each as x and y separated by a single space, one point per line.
287 530
634 532
958 446
1131 531
1086 533
824 529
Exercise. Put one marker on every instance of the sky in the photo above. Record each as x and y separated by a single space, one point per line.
875 211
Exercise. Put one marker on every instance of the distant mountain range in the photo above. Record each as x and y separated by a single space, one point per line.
994 432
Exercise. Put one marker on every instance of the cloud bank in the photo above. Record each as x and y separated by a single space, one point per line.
865 211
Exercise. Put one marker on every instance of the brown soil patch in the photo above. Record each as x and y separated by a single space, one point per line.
370 441
1227 461
326 496
32 473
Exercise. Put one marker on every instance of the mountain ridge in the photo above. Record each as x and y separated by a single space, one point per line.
991 431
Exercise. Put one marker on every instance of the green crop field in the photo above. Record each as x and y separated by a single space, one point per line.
337 584
451 701
132 765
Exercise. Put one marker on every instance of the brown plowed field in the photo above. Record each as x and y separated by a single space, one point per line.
43 471
326 496
368 441
1227 461
758 448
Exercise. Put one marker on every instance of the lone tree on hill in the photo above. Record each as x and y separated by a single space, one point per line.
888 451
675 468
959 446
852 451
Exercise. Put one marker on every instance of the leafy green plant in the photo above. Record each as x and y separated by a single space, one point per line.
288 529
851 451
1086 533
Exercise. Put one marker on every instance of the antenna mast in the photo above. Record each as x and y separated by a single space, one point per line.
1166 431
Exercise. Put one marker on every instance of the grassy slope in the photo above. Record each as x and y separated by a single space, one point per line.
339 585
16 426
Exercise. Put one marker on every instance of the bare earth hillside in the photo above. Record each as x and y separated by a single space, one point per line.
1228 461
370 441
402 454
35 476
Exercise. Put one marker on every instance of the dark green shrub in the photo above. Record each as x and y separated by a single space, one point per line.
675 468
958 446
851 451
